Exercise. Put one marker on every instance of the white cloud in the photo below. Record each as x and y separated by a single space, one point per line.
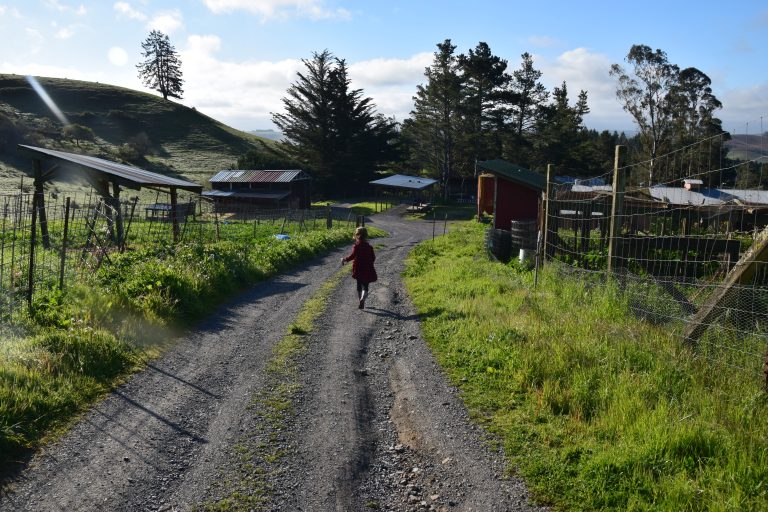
64 33
58 6
125 9
269 9
117 56
747 105
543 41
166 21
35 40
588 71
240 93
390 72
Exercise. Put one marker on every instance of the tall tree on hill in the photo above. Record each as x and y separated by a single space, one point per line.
161 69
331 128
435 121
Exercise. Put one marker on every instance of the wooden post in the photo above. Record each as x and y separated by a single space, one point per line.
547 192
40 201
32 243
64 245
617 207
175 215
119 228
130 221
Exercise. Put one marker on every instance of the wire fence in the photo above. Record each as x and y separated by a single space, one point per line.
48 243
690 253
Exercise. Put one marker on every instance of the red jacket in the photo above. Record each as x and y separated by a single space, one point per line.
362 259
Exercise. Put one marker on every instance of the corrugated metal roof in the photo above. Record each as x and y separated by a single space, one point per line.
748 196
515 173
682 196
248 176
127 173
246 195
404 181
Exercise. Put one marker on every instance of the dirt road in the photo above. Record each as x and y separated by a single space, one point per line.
368 422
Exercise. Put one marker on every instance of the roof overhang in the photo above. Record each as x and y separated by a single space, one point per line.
216 194
404 181
99 170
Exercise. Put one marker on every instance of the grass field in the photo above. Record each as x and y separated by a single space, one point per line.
596 409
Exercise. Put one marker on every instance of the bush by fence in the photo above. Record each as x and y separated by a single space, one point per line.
71 237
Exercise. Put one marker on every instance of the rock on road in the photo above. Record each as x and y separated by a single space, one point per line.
375 424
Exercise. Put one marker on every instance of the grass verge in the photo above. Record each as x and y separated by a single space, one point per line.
596 409
257 455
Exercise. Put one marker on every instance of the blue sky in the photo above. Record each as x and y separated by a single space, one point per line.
239 56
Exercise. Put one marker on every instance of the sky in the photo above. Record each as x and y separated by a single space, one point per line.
240 56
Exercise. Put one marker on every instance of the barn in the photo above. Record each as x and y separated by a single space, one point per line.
516 192
243 190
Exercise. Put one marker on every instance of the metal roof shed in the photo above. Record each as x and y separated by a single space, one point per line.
101 174
405 182
247 188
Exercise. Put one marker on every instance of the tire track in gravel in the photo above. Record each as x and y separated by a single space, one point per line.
377 424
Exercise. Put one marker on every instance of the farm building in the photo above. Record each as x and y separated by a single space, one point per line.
413 187
242 190
516 192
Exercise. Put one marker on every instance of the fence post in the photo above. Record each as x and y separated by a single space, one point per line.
617 207
32 242
64 245
547 192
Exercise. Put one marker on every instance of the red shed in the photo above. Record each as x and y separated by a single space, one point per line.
517 192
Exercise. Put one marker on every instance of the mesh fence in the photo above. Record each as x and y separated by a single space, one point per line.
690 251
59 240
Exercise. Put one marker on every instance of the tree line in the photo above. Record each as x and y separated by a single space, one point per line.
472 107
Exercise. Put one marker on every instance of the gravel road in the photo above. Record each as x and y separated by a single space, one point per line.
370 422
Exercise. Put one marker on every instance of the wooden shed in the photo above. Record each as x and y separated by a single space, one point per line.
240 190
516 192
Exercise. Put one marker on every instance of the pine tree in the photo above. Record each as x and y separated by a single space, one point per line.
333 130
161 69
435 120
484 102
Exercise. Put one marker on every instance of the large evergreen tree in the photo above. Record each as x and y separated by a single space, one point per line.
484 102
435 121
161 69
332 129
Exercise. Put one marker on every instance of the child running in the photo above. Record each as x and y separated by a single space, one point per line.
362 259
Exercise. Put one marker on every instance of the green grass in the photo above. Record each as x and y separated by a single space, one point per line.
79 344
595 409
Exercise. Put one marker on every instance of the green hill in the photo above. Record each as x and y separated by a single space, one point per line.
128 126
746 147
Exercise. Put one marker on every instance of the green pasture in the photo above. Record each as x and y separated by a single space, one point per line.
595 408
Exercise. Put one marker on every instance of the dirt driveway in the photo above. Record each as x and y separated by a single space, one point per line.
368 422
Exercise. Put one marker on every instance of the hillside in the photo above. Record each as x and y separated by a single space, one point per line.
171 138
747 147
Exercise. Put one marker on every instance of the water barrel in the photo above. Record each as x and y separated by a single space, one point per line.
524 233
